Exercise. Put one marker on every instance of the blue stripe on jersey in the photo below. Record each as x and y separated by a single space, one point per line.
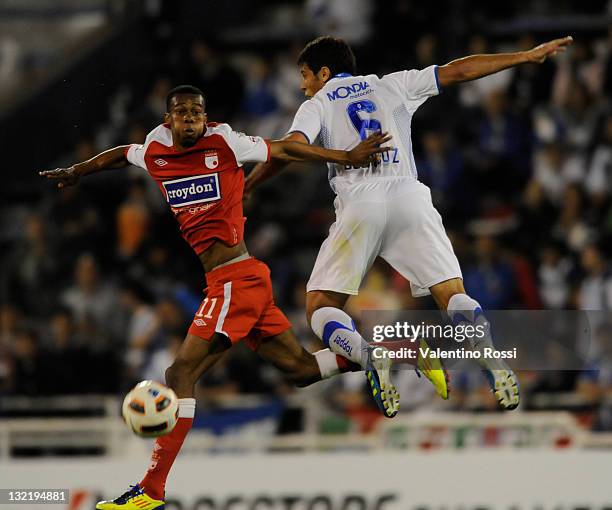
325 140
402 121
437 80
342 75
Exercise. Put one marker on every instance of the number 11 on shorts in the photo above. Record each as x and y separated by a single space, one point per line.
200 312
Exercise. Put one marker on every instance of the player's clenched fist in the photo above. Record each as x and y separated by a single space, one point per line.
65 176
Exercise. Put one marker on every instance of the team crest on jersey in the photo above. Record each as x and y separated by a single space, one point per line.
192 190
211 159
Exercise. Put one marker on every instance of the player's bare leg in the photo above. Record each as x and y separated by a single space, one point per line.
450 296
195 357
301 367
338 332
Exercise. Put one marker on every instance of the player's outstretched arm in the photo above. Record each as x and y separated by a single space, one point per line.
477 66
107 160
363 154
264 171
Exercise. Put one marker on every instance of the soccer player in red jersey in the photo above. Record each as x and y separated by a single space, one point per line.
198 168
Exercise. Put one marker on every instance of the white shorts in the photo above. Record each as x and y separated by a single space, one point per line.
391 218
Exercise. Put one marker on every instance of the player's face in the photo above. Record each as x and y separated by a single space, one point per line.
311 82
186 118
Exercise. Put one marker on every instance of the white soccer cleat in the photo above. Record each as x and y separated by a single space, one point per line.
383 391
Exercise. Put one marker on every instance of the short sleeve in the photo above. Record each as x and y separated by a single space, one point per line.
307 121
135 155
253 149
414 85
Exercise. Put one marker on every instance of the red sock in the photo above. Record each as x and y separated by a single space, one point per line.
165 451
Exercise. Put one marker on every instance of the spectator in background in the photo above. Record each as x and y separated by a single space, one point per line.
441 168
133 220
599 179
11 322
11 54
347 19
92 299
287 82
142 325
161 359
154 108
66 368
595 382
154 270
536 215
575 115
170 319
72 216
553 278
503 154
473 94
27 370
375 293
33 266
554 169
426 51
490 280
530 84
571 226
260 103
595 291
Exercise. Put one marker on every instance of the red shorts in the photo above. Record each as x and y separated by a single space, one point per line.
239 303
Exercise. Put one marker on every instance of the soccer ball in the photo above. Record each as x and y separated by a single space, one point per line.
150 409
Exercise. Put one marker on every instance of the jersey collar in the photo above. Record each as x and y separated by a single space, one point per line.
340 75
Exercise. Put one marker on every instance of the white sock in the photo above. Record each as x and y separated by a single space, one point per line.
462 308
338 332
186 407
328 364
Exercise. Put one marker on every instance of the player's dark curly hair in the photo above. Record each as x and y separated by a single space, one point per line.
183 89
331 52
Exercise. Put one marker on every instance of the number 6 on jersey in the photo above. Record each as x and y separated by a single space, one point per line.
365 127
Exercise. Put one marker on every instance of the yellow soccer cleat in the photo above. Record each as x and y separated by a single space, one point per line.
432 369
132 499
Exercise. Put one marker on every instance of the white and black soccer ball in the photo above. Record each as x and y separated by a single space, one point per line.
150 409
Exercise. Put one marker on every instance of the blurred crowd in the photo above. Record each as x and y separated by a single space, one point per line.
99 288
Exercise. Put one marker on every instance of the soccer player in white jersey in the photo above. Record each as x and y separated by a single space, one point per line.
383 210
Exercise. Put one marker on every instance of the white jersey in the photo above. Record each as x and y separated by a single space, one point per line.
350 108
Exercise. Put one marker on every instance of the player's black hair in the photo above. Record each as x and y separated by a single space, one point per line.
183 89
331 52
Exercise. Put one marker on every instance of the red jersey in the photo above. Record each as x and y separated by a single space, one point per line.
203 184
